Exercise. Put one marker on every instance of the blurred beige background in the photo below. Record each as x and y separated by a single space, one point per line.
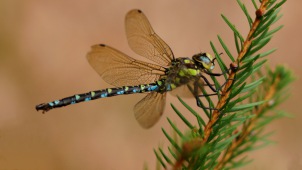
42 58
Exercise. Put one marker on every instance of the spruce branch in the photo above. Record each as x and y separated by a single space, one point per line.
226 91
235 125
271 88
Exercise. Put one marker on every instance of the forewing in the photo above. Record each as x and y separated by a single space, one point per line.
148 110
144 41
118 69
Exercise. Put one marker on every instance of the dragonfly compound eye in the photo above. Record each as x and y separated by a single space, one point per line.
204 60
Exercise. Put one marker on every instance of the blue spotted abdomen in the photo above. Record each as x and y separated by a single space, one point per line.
109 92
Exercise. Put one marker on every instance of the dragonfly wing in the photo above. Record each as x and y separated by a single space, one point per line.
144 41
148 110
185 92
118 69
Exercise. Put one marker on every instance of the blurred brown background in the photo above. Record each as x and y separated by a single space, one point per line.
42 57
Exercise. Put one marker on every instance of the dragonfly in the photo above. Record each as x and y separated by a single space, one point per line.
131 76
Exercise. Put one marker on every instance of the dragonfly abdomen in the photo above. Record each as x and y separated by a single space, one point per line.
109 92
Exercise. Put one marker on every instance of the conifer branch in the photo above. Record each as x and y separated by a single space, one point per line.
226 91
235 125
247 130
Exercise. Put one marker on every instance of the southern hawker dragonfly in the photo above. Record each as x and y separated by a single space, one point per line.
130 76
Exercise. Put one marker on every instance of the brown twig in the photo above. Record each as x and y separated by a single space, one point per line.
198 143
226 92
246 131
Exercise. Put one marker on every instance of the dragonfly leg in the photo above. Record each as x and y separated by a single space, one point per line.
207 83
217 90
198 102
217 74
233 67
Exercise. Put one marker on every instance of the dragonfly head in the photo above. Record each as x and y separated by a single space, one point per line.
204 61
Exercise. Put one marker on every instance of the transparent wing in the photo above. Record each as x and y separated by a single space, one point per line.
184 91
144 41
148 110
118 69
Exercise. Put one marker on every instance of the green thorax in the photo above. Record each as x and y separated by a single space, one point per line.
182 71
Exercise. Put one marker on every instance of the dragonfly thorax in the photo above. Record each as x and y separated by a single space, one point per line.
182 71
